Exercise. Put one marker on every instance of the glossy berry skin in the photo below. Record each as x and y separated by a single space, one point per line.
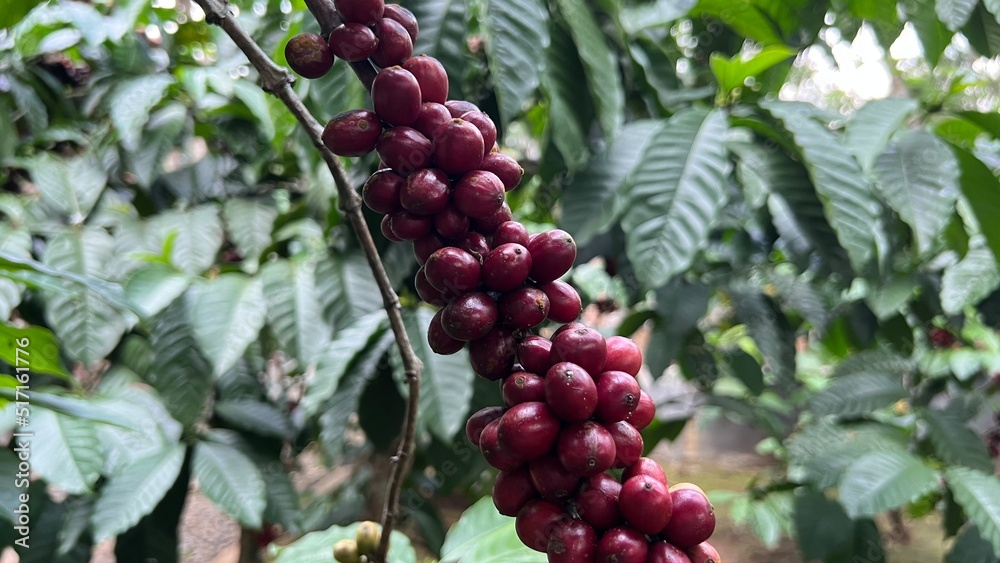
404 150
505 167
512 490
572 541
522 387
493 355
479 194
381 191
523 308
533 354
451 222
583 347
510 232
571 392
458 107
644 413
396 96
645 466
426 192
586 448
554 253
432 77
506 267
427 292
489 225
486 127
552 481
405 18
617 396
364 12
628 444
572 325
693 519
535 522
423 247
353 42
309 55
439 341
528 430
564 301
621 545
493 452
703 553
469 316
352 133
430 117
394 44
409 226
458 147
479 420
622 354
385 226
645 503
663 552
597 501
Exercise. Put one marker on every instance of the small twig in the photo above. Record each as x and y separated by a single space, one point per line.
278 81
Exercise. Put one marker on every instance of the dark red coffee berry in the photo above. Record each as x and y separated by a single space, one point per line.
663 552
505 167
394 43
523 308
571 392
622 355
489 225
535 522
451 222
352 133
572 325
506 267
405 18
510 232
432 77
597 501
478 422
458 147
553 253
439 341
426 192
474 243
645 503
533 354
427 292
309 55
628 444
493 355
572 541
409 226
586 448
386 227
617 396
353 42
645 466
360 11
404 150
470 316
493 452
564 301
430 117
583 346
528 430
522 387
381 191
485 126
552 481
396 96
693 519
644 413
478 194
621 545
703 553
512 490
453 270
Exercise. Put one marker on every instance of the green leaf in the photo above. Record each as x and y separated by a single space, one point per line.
771 331
332 364
599 62
850 204
970 280
820 452
742 16
994 7
293 308
283 504
442 35
231 481
254 98
249 222
40 352
180 373
933 34
15 11
732 73
653 14
858 394
821 525
675 195
69 456
883 481
594 198
70 186
346 289
227 315
874 362
484 535
954 441
679 307
130 103
256 417
954 13
134 491
978 494
982 189
918 177
199 235
983 32
970 547
155 286
570 114
516 31
317 547
871 127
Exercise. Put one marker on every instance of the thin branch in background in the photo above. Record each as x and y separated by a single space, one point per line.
278 81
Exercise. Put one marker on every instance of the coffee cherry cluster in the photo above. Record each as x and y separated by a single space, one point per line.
572 406
362 547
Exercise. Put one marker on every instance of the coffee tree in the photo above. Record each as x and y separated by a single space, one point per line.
205 303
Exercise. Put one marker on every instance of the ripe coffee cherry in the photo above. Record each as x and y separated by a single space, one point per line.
533 354
439 341
535 522
564 302
622 355
512 490
489 225
381 191
309 55
553 252
478 194
451 222
458 107
475 244
485 126
453 270
423 247
386 227
505 167
360 11
571 392
469 316
645 504
703 553
494 454
693 519
404 17
523 308
586 449
506 267
394 43
597 501
493 355
663 552
528 430
522 387
617 396
572 325
427 292
396 96
644 413
409 226
572 541
430 117
511 231
352 133
404 150
458 147
432 78
583 346
478 421
621 545
552 481
353 42
426 192
628 444
645 466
